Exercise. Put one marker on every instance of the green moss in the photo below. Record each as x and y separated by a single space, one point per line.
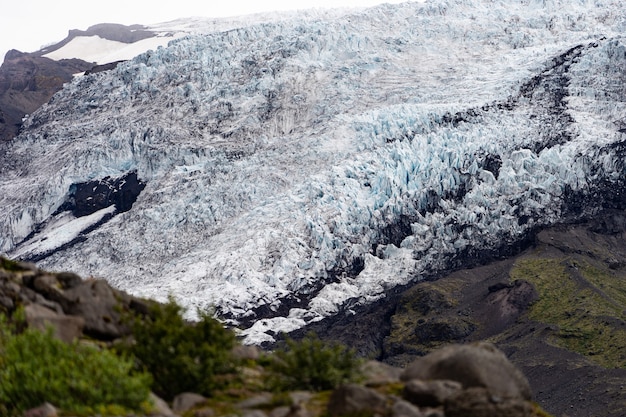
571 297
393 389
540 412
417 318
9 265
608 282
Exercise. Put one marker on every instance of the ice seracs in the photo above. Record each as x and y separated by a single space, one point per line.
297 168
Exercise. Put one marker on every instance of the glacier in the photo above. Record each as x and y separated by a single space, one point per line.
297 168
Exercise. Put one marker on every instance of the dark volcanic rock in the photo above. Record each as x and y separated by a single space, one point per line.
88 197
448 329
475 365
353 399
479 402
498 305
26 82
104 67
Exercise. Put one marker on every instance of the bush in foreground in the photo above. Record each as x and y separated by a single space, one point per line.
182 356
35 367
311 364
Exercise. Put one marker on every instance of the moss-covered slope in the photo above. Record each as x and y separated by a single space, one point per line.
558 309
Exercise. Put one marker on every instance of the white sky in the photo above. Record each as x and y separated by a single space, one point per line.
27 25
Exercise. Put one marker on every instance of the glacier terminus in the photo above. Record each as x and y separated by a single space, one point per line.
284 172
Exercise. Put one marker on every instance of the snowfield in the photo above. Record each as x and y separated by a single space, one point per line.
299 167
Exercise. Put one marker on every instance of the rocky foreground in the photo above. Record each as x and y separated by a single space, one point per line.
456 380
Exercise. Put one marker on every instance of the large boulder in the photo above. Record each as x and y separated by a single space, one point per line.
66 328
354 399
186 401
94 300
473 365
430 393
479 402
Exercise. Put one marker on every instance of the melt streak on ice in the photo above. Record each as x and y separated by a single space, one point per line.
304 166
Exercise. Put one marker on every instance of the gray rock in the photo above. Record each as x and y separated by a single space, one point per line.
256 401
378 373
473 365
204 412
430 393
69 279
160 407
44 410
280 411
245 352
433 412
254 413
352 398
66 328
47 285
479 402
299 411
42 301
99 305
403 408
186 401
6 303
299 397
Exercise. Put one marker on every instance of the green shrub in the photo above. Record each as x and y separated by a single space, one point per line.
182 356
310 364
36 367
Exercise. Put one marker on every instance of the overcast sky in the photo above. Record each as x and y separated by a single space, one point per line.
27 25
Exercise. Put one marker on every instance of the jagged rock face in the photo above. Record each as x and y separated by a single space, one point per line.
89 197
74 307
295 170
26 82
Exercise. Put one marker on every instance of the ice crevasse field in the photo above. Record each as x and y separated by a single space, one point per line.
305 166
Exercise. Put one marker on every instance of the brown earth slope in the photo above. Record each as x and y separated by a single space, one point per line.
27 81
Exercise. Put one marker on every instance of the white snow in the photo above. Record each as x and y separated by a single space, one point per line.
277 156
101 51
59 231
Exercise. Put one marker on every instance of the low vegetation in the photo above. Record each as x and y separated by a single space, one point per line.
311 364
182 356
35 367
584 302
167 355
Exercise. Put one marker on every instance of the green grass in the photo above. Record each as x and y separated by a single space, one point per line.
80 379
9 265
587 313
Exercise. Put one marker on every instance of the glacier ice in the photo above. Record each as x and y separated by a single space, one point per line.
297 167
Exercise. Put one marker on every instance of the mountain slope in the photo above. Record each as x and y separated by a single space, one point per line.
556 309
297 168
